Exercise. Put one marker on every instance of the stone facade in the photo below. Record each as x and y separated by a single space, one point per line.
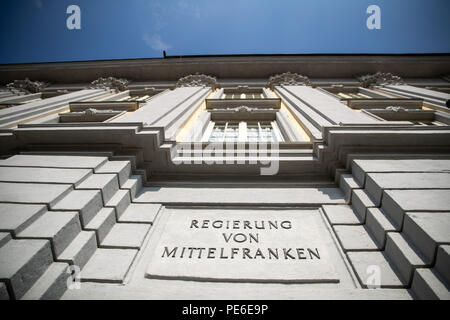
227 182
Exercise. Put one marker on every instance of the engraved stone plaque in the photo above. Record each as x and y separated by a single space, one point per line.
252 245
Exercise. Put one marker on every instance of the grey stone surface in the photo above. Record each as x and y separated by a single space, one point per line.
140 213
377 182
361 201
305 229
16 217
53 161
107 183
43 175
362 166
22 262
80 250
379 225
341 214
103 221
355 238
32 192
120 201
59 227
403 255
51 285
426 285
126 235
121 168
3 292
86 202
396 202
108 265
134 184
442 265
347 183
4 238
427 230
260 196
365 264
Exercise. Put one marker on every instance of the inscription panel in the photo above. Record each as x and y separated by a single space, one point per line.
257 245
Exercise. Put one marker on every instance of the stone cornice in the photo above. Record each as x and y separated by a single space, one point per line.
231 67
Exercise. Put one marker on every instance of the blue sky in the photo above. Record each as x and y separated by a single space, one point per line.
35 30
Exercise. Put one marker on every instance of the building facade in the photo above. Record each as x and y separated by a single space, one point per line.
226 177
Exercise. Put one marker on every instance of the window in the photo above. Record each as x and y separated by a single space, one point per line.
255 131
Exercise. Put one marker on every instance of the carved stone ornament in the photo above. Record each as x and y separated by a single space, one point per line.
26 86
395 108
379 78
118 84
288 79
92 112
197 80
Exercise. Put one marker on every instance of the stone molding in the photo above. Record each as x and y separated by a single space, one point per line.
379 78
26 86
197 80
117 84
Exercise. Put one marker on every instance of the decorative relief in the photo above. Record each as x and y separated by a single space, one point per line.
26 86
238 109
379 78
197 80
118 84
395 108
288 79
92 112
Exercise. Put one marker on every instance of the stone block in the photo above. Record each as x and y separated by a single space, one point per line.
102 223
133 184
32 192
396 202
51 285
126 235
427 285
15 217
377 182
43 175
355 238
108 265
80 250
427 230
4 238
22 262
140 213
403 255
379 225
373 268
59 227
53 161
442 265
347 183
121 168
86 202
360 202
106 183
120 201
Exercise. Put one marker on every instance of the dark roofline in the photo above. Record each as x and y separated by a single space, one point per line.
241 55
